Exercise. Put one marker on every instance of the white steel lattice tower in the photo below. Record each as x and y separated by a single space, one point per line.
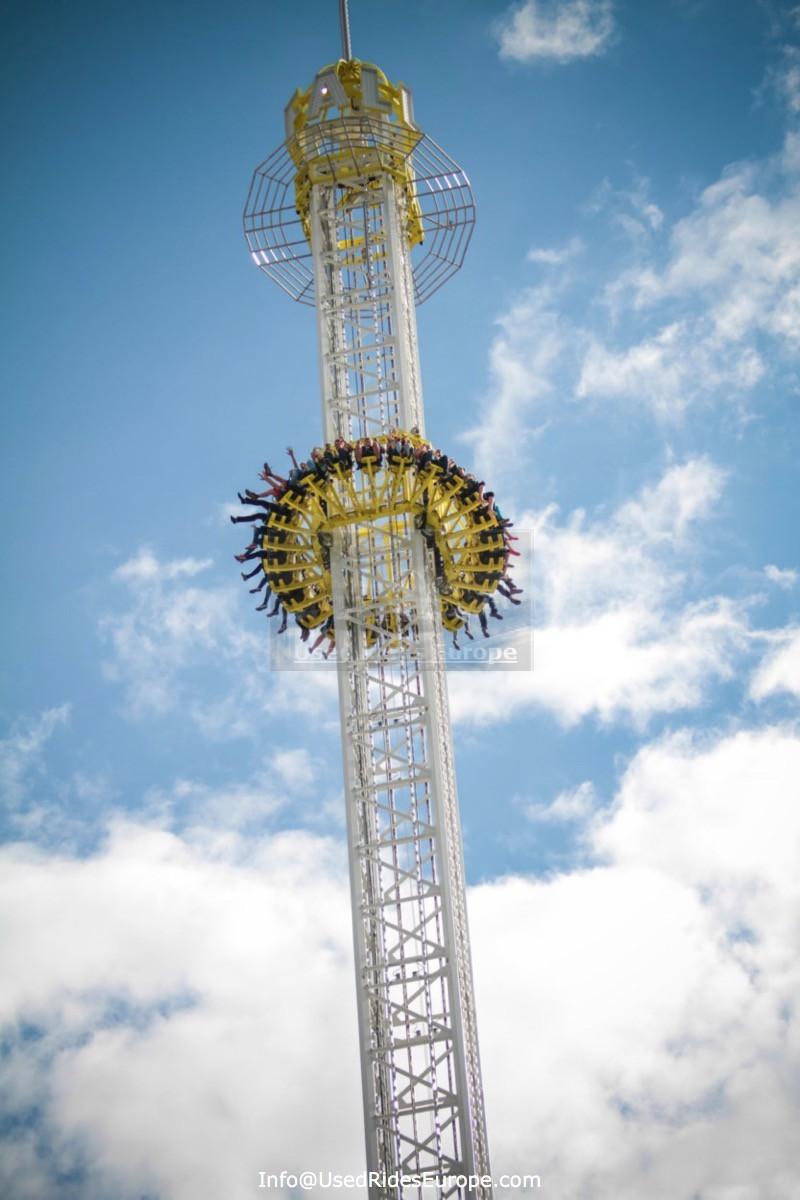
333 216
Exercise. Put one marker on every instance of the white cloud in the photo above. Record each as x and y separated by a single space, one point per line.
665 511
659 998
780 670
732 270
573 805
586 567
790 86
668 371
790 158
21 752
522 360
630 209
145 566
742 791
196 1021
173 628
198 1006
220 812
784 577
739 251
555 255
785 79
171 624
562 30
54 808
613 638
623 665
295 769
708 312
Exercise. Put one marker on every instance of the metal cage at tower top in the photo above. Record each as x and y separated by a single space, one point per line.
437 187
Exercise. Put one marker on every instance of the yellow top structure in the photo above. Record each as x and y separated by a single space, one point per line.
351 126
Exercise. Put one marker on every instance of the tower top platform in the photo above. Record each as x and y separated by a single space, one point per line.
354 130
351 127
349 88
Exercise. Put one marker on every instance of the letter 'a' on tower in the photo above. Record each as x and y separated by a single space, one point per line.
362 215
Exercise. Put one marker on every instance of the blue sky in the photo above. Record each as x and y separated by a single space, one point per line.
620 356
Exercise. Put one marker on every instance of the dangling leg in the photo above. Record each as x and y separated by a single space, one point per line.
493 609
262 607
250 574
284 622
507 594
484 623
256 516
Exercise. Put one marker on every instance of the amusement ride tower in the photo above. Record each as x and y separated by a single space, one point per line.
361 215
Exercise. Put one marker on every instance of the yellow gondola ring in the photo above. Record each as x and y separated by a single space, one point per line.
466 537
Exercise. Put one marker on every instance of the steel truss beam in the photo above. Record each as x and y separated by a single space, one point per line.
420 1068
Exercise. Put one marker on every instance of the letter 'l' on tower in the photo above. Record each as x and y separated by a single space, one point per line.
363 216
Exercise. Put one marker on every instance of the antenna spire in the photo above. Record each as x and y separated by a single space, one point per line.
344 22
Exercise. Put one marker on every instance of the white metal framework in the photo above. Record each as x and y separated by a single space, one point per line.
419 1052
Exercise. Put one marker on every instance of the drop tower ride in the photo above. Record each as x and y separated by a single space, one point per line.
363 216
